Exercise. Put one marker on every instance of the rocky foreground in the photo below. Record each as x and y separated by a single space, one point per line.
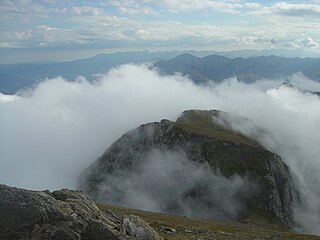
172 227
68 214
64 215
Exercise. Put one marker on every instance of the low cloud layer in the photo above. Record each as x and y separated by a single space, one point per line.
53 132
290 120
169 182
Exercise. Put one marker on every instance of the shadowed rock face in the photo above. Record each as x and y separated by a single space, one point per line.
64 214
203 140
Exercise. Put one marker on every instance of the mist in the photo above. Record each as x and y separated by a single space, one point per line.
291 128
167 181
51 133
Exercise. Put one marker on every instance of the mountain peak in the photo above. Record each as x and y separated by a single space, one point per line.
194 154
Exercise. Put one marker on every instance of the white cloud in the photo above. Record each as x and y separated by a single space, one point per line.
46 28
253 5
22 9
305 42
310 42
49 135
87 10
176 6
66 125
7 98
125 28
43 44
52 35
9 45
150 23
16 35
138 11
296 10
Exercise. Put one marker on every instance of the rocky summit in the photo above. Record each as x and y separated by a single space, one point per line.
64 214
224 175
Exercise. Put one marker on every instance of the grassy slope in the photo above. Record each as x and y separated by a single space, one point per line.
190 228
202 122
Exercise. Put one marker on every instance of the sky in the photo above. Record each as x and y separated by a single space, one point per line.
59 30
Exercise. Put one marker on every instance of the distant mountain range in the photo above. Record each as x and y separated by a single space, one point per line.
11 75
216 67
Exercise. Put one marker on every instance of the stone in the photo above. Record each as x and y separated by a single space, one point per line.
136 227
63 214
168 230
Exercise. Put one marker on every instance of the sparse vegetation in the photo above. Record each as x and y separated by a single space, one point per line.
203 122
173 227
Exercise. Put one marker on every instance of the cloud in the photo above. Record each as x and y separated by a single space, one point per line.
175 6
134 8
87 10
167 181
305 42
138 11
290 121
69 124
58 36
253 5
17 35
169 24
9 45
7 98
22 9
309 42
53 132
296 10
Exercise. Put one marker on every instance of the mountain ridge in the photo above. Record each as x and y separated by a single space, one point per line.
200 69
217 68
231 159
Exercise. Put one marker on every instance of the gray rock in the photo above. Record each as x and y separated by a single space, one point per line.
136 227
64 214
168 230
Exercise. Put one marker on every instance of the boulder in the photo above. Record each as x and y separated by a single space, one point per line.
63 214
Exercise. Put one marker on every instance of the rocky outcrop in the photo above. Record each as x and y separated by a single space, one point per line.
64 214
202 138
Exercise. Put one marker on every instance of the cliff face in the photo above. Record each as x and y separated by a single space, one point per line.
64 214
267 188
